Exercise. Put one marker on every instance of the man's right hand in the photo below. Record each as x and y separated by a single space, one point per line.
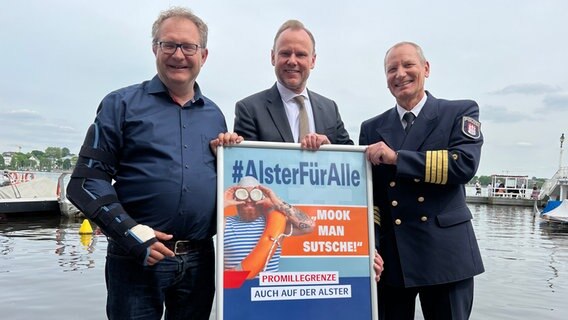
158 251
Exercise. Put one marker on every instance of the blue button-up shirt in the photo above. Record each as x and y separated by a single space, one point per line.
166 172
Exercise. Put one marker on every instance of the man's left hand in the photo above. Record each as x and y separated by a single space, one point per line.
226 138
313 141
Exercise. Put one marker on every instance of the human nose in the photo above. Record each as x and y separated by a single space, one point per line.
178 52
292 60
400 72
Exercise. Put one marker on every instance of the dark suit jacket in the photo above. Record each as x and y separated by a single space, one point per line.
425 233
261 117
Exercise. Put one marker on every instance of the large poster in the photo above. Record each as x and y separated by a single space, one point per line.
294 233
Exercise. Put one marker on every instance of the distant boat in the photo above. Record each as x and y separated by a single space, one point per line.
554 192
509 190
555 211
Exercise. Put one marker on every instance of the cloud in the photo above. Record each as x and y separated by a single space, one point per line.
502 115
20 115
524 144
528 88
33 130
555 102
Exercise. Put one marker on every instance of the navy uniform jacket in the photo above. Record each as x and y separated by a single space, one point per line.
262 117
425 233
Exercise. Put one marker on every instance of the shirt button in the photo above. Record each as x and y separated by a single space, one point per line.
394 203
420 199
392 184
186 166
397 222
185 146
424 218
184 126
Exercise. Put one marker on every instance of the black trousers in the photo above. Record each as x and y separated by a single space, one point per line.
450 301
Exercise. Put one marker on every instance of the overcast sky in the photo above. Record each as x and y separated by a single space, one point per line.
59 58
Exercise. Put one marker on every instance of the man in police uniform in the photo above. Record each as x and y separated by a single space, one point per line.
423 152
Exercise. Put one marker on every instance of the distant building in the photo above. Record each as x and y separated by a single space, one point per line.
7 157
34 162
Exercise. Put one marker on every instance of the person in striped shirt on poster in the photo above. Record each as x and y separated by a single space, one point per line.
253 237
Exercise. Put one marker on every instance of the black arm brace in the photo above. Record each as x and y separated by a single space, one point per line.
106 211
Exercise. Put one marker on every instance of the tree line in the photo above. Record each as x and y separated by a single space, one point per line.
52 159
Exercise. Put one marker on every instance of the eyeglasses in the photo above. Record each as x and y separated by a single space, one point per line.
188 49
255 195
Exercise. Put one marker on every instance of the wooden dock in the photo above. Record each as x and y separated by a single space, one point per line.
29 205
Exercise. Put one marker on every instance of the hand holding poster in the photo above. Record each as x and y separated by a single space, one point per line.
294 233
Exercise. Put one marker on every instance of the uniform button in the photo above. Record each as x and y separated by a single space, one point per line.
185 146
416 180
424 218
394 203
186 166
455 156
397 222
392 184
420 199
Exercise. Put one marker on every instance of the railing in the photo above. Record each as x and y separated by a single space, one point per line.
521 193
561 176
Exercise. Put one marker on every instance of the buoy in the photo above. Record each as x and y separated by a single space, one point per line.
85 240
85 227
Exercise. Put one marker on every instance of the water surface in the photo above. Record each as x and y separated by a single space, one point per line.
48 271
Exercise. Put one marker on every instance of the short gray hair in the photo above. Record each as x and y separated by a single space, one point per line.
417 47
180 12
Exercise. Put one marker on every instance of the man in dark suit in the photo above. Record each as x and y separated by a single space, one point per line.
276 114
421 162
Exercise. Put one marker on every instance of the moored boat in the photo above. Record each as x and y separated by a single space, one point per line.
66 208
555 211
27 192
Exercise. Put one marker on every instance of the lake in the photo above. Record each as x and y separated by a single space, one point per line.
49 271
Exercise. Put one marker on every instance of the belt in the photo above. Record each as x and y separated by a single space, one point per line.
180 247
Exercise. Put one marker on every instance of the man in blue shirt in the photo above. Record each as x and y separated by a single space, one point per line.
156 141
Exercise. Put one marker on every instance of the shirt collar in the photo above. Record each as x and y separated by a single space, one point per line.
287 94
416 110
156 86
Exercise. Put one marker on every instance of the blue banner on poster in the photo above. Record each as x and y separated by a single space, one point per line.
294 237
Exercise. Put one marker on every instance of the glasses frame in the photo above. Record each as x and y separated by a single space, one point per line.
193 51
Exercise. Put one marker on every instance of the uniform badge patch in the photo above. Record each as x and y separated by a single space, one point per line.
471 127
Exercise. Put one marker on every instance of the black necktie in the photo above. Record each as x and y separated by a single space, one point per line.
409 118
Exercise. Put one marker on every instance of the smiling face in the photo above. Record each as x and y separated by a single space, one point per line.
293 57
406 73
177 71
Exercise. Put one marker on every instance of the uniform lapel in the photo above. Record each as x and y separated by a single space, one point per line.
426 121
276 110
391 130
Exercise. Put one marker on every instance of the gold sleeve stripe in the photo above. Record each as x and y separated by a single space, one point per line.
436 168
428 166
377 215
445 166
